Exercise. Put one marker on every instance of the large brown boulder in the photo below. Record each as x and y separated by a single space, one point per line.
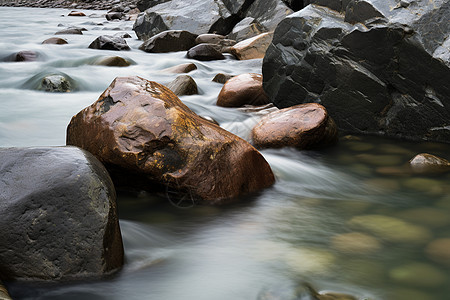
149 139
304 126
244 89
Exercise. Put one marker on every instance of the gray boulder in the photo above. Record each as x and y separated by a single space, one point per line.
377 70
269 12
169 41
109 42
58 215
199 17
247 28
142 5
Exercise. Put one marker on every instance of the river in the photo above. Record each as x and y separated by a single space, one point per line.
345 219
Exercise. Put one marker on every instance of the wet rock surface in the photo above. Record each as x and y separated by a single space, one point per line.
244 89
109 42
205 52
377 70
304 126
55 41
175 150
58 215
252 48
183 85
169 41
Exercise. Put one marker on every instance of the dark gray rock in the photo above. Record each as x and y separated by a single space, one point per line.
108 42
169 41
116 15
26 55
269 12
70 31
245 29
55 41
58 215
183 85
385 74
208 16
143 5
297 5
205 52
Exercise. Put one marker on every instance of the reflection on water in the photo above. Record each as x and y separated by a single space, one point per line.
352 218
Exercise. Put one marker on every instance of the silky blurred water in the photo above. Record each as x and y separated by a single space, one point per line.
300 230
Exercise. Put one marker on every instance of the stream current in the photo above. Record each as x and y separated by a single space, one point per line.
344 219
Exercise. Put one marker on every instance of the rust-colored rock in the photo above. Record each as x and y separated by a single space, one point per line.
55 41
244 89
304 126
428 163
148 138
252 48
76 14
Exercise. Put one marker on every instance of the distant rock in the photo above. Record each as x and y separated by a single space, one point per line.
252 48
378 67
58 215
23 56
269 13
150 140
76 14
182 68
183 85
111 61
222 77
69 31
244 89
55 41
245 29
108 42
169 41
205 52
211 16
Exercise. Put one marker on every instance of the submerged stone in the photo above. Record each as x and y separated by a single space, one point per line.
355 243
418 275
439 251
391 229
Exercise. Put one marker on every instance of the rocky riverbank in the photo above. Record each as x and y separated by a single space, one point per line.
73 4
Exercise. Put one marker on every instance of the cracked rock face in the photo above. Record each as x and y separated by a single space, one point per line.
58 215
378 66
147 138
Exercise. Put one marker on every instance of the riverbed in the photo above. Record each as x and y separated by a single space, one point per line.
348 219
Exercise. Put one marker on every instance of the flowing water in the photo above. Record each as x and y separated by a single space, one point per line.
347 219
